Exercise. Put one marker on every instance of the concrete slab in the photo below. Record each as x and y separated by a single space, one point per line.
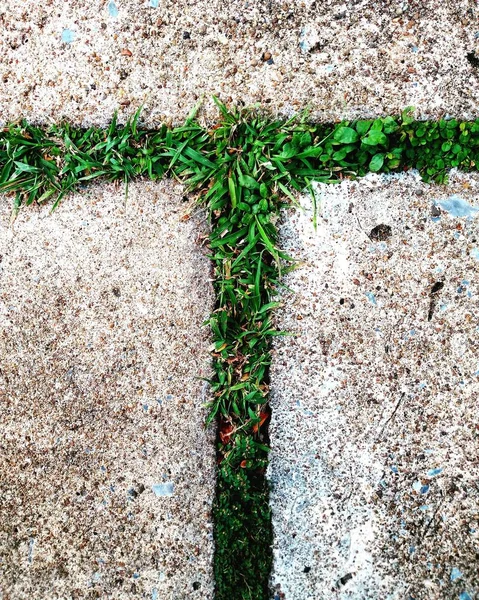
374 429
83 60
107 475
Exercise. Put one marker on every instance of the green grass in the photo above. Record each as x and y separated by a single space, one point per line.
244 169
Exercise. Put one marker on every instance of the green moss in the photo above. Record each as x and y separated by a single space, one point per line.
243 536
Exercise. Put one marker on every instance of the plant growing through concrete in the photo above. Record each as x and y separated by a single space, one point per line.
245 169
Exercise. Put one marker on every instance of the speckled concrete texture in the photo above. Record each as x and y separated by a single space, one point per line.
374 431
81 60
107 473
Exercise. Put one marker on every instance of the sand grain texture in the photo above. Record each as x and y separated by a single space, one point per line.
107 474
374 427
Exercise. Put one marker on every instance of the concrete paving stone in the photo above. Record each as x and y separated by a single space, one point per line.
106 471
374 431
83 60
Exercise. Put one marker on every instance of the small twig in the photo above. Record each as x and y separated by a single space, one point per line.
361 228
434 294
393 413
432 518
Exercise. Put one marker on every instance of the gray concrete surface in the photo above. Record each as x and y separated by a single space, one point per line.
82 60
374 431
106 472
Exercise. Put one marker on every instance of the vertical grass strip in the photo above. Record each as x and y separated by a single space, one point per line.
244 200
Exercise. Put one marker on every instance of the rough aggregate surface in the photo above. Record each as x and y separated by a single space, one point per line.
81 61
106 471
374 431
107 477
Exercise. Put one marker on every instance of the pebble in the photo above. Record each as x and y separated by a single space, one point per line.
163 489
68 36
112 9
455 574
